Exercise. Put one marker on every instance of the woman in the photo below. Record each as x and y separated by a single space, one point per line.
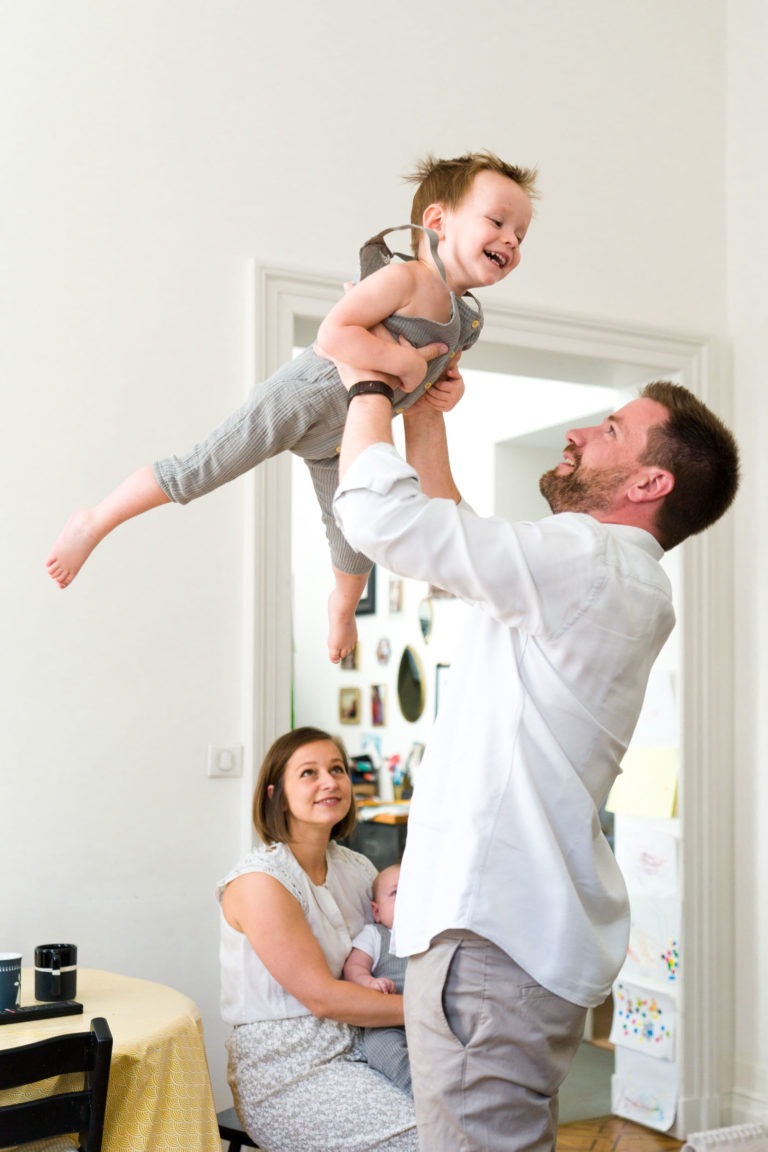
289 912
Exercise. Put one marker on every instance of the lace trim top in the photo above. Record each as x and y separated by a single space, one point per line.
335 911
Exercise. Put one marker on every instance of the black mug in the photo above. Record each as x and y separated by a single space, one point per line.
55 971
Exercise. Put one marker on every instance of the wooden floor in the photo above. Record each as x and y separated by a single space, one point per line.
611 1134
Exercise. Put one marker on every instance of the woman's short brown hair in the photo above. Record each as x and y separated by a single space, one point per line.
270 818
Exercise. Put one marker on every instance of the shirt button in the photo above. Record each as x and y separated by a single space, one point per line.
475 323
337 449
428 386
398 411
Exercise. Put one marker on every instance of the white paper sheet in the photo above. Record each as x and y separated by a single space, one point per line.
644 1090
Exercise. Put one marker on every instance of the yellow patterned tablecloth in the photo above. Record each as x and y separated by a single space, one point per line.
160 1097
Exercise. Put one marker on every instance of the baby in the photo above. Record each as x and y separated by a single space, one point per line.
371 964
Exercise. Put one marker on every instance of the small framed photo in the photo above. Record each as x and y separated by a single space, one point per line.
378 705
349 705
351 661
395 596
367 605
441 675
383 650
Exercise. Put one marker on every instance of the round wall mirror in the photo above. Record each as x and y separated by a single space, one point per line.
410 685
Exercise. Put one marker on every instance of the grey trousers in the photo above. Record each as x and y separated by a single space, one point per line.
301 408
489 1048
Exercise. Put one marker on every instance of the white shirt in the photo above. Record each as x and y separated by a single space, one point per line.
545 689
336 912
368 940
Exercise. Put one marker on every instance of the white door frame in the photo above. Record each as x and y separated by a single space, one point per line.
280 297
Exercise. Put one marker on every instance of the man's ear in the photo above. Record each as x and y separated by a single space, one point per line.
655 485
434 218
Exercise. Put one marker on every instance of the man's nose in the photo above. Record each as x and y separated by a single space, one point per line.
579 436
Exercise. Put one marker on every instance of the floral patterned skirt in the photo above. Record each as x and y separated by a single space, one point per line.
304 1083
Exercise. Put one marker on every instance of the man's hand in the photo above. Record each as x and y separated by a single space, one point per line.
350 374
444 393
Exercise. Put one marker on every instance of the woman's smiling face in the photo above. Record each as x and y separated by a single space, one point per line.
317 787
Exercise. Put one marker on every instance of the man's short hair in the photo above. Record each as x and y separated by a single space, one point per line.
702 455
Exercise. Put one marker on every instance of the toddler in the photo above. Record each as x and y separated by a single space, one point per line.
468 219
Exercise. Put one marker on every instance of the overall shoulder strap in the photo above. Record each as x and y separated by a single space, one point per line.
376 254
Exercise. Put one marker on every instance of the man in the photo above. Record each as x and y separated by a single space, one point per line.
511 907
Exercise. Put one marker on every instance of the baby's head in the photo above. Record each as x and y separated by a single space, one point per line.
383 895
447 184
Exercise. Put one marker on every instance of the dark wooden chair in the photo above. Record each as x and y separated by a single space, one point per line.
64 1113
231 1129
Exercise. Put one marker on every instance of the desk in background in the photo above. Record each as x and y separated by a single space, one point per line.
381 837
160 1097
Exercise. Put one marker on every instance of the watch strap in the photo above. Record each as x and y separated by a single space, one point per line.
371 388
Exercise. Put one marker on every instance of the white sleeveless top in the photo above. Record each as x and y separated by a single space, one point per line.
336 911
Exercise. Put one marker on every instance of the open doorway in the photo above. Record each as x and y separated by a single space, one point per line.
541 345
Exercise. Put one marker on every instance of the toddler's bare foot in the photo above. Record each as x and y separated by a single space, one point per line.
77 540
342 627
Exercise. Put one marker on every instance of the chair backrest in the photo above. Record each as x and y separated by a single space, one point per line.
232 1130
65 1112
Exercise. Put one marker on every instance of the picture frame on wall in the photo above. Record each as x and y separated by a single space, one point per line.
395 596
367 605
351 662
378 705
441 675
349 705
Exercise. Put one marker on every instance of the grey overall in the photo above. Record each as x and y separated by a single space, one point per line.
302 409
386 1049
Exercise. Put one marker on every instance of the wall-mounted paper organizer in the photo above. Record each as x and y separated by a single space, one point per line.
647 842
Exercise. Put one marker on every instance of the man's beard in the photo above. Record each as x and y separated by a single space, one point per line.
581 489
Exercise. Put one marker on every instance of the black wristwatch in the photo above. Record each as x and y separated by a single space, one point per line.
371 388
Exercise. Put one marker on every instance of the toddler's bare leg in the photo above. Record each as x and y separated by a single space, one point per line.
342 625
87 527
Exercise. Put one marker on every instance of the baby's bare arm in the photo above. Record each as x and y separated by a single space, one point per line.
357 969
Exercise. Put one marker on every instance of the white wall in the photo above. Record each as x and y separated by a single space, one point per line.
149 149
747 234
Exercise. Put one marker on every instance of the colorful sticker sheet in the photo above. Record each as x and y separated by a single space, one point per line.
643 1020
654 954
